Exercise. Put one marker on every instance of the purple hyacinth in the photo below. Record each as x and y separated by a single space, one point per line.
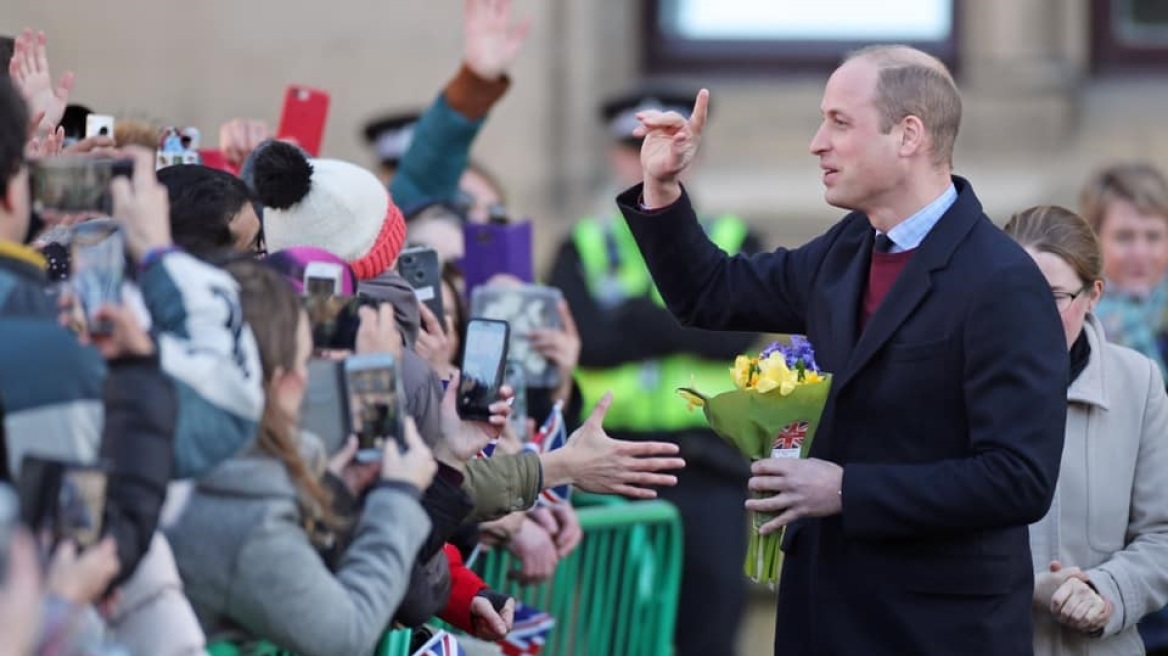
799 350
766 352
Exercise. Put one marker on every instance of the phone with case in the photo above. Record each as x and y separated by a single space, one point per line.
64 499
495 248
99 125
323 279
303 117
419 267
484 361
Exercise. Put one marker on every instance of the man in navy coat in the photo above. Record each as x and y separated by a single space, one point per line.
943 432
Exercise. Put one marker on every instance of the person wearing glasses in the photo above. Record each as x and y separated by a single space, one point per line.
1101 553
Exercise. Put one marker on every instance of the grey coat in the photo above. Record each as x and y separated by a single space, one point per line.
250 570
1110 511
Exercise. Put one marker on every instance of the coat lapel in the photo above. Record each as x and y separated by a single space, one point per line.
847 291
915 280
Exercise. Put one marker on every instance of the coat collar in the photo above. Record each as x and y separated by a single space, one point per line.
914 282
1090 387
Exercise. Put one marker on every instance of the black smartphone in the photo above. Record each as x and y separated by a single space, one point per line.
420 268
63 499
334 320
484 360
374 391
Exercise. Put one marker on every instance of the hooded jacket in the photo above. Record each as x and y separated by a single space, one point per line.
251 571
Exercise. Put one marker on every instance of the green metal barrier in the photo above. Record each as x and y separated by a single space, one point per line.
394 643
617 594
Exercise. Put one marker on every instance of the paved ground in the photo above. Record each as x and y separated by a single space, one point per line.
757 634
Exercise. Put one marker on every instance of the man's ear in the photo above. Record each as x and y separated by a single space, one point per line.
913 138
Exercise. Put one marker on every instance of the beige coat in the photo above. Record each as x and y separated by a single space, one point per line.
1110 511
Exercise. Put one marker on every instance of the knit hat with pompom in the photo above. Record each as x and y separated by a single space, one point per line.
326 203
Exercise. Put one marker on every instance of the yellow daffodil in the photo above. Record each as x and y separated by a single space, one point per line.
741 370
692 401
812 377
774 374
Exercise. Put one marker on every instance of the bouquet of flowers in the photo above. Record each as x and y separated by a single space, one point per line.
773 414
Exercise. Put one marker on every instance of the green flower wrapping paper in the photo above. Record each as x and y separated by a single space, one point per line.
774 413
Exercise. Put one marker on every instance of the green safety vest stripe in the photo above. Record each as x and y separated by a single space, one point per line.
644 393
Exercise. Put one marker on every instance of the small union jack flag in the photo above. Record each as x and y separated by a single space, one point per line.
488 450
551 436
529 632
442 644
792 435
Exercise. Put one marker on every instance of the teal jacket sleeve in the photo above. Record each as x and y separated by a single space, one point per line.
437 156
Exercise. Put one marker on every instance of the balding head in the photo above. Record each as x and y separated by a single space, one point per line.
915 83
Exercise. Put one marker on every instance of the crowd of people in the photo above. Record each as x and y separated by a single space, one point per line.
990 475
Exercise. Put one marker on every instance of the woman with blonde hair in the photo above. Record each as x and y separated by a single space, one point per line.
1101 552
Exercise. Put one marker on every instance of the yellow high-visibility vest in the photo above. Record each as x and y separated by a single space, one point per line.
644 392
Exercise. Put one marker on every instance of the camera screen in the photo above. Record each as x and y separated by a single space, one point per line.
373 406
485 344
334 320
320 286
80 506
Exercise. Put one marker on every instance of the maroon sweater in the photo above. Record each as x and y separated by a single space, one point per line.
883 271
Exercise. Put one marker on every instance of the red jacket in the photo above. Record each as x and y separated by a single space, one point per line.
464 586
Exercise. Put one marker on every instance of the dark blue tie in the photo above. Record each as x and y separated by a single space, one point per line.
883 244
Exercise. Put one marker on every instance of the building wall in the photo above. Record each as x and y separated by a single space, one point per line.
1035 122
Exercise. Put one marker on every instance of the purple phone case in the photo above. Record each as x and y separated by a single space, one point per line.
494 248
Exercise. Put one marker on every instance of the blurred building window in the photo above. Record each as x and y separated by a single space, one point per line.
787 35
1130 35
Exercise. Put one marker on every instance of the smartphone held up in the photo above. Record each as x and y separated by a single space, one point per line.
373 389
484 363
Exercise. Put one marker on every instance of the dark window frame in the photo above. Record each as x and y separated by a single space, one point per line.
1111 55
663 54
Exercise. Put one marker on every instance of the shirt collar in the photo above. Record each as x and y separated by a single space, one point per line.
909 234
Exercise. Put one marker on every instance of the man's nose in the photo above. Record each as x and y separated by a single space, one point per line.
819 142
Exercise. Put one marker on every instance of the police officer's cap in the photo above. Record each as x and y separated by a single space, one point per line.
389 136
619 112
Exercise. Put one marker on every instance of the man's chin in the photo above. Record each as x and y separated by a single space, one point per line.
833 197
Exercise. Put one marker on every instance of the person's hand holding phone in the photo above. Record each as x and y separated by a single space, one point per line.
20 597
81 579
126 336
378 331
142 207
595 462
29 71
435 345
415 465
357 476
463 439
561 346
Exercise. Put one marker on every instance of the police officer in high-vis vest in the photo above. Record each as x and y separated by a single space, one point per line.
632 346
